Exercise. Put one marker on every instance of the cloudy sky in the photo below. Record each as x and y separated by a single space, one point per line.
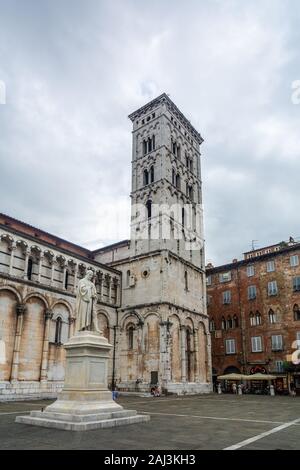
74 70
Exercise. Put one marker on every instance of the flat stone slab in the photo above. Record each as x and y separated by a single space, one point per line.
69 422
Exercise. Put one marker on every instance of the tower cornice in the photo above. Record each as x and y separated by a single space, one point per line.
164 98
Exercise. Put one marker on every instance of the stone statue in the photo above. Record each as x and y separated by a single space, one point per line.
86 299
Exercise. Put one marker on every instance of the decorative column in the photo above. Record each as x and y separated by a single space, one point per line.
52 271
40 267
27 253
118 292
71 326
20 310
11 261
183 353
165 358
44 367
196 356
109 281
64 276
101 286
75 277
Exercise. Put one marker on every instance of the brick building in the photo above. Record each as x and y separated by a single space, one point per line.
254 312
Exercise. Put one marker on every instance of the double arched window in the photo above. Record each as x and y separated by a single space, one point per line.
148 176
255 319
149 144
272 316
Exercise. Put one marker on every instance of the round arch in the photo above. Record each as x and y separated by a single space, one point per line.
63 302
13 290
38 296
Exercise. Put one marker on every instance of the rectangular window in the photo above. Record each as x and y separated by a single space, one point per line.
279 366
277 344
296 284
250 271
256 344
225 277
270 266
251 292
226 297
272 288
230 346
208 280
294 261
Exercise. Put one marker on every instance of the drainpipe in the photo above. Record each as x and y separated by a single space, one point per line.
242 321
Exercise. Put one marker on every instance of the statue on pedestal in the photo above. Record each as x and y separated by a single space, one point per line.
86 299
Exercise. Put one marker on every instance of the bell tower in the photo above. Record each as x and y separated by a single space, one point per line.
166 182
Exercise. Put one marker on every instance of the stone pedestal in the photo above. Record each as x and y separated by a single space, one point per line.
85 401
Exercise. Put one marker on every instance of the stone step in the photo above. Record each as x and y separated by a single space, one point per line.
86 426
76 418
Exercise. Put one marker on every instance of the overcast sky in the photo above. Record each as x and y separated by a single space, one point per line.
75 69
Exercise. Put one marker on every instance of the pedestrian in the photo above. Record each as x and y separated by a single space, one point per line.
234 387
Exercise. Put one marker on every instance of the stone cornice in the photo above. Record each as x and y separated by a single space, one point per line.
164 98
161 304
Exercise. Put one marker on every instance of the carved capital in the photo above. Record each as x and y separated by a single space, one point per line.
71 320
48 314
21 309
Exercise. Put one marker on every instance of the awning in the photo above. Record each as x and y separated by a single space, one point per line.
230 377
260 377
247 377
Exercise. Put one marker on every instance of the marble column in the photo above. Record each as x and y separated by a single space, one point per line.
196 356
71 326
75 277
165 356
20 310
101 286
109 280
40 267
27 253
64 276
44 367
52 272
118 292
183 353
11 261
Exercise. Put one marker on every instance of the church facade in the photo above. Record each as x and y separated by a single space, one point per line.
151 289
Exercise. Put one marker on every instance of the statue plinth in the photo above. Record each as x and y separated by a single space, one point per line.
85 401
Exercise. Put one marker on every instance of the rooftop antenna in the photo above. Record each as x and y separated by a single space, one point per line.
253 244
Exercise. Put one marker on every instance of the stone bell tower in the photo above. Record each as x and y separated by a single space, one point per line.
166 182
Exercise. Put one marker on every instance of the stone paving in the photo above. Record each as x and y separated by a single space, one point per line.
177 423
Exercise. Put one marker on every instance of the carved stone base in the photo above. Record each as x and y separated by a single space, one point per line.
85 402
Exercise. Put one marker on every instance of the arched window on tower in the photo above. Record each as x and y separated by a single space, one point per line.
252 319
186 281
149 145
149 209
229 322
153 142
178 153
223 323
29 269
152 174
183 216
235 322
173 177
58 327
178 181
146 177
144 147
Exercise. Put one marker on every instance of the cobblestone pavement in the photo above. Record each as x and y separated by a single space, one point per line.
190 422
